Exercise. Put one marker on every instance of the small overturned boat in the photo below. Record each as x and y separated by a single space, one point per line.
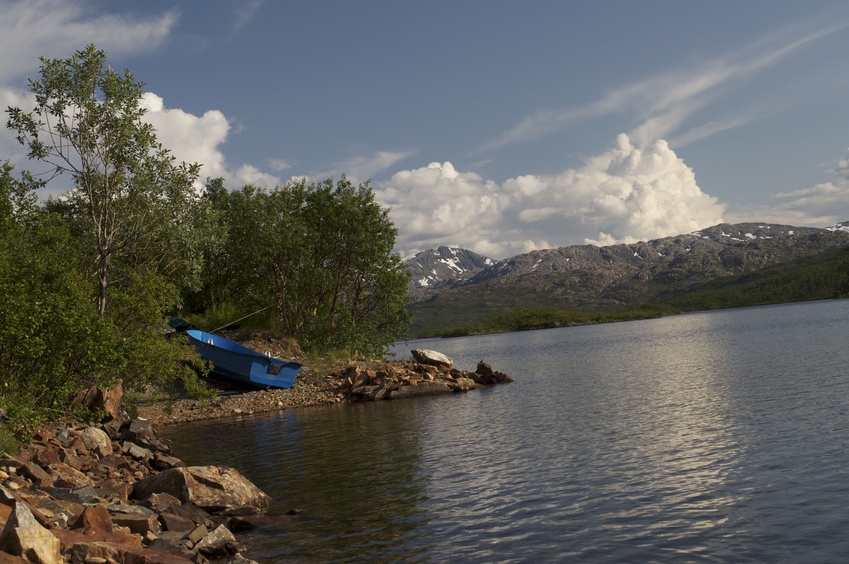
238 362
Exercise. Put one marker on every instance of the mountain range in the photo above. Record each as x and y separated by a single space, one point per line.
457 285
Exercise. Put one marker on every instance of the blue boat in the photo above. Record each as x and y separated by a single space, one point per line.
241 363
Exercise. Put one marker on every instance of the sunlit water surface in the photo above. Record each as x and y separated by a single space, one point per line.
717 436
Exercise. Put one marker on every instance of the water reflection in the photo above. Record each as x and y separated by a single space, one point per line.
718 437
355 471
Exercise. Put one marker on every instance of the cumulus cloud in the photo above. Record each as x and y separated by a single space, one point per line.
30 29
9 147
438 205
626 194
198 139
190 138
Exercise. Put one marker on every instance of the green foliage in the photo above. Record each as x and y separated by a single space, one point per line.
132 206
9 443
126 235
87 414
52 341
321 254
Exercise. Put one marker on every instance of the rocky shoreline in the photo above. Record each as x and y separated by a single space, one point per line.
113 492
351 382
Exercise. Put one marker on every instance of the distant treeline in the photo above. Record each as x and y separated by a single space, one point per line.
524 319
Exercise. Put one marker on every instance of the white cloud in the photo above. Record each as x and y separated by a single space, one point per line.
362 168
190 138
820 205
623 195
10 149
663 102
56 28
198 139
279 165
437 205
248 174
245 12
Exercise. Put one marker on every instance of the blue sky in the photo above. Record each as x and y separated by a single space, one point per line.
497 126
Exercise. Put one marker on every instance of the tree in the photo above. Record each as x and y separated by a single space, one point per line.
364 283
122 235
52 342
128 194
321 254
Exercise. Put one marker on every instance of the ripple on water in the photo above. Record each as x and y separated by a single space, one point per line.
711 437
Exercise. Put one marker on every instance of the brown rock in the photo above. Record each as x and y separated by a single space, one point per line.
106 400
65 476
213 488
423 389
193 513
138 523
60 512
176 523
219 542
72 537
161 502
197 534
23 536
88 551
114 489
96 441
35 473
164 462
5 511
94 518
435 358
136 451
46 458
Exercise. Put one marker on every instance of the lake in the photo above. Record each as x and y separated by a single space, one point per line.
717 436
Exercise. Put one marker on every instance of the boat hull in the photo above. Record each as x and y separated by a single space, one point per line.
238 362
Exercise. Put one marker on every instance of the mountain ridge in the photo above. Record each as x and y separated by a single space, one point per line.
597 278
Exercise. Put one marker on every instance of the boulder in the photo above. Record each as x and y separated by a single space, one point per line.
65 476
488 376
96 441
212 488
219 542
433 358
106 400
94 518
23 536
423 389
137 452
98 551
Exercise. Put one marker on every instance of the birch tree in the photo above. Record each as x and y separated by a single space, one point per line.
127 191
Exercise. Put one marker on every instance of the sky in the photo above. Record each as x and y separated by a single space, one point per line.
496 126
